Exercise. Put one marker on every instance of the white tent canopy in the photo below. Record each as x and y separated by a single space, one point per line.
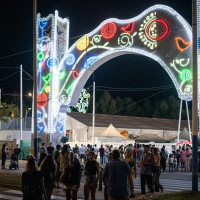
111 131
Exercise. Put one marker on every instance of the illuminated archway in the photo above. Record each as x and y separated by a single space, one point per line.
159 33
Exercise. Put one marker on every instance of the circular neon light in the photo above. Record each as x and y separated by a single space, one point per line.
47 89
186 75
42 100
70 60
40 56
108 30
83 43
152 27
51 62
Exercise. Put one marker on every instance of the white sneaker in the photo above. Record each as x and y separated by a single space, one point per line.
142 197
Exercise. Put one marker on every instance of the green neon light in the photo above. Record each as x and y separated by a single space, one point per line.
46 80
70 87
186 75
61 74
69 110
40 56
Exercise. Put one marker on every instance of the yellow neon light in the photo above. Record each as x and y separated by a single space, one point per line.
83 43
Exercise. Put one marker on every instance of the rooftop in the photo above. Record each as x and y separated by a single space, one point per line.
129 122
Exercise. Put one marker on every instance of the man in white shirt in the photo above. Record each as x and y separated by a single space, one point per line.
82 150
96 151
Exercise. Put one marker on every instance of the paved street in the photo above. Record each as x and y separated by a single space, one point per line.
172 182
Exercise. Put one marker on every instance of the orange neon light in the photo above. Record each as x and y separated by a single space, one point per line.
181 44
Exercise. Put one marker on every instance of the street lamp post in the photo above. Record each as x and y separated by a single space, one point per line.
35 81
194 101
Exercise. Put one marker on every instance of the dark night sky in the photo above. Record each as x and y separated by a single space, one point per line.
85 15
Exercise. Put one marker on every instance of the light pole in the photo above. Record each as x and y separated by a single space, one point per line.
35 81
21 103
27 111
194 101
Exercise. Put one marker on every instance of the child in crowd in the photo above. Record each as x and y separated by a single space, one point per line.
170 161
175 162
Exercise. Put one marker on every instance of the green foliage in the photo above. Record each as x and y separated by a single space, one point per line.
168 108
6 111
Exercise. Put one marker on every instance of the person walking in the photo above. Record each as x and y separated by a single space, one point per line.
91 171
146 163
102 152
187 152
163 158
183 158
43 153
48 169
56 156
71 177
116 175
32 181
50 149
132 165
82 150
156 171
4 153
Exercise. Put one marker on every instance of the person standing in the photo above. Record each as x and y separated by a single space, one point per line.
183 158
56 156
102 152
43 153
32 181
91 171
156 171
82 150
48 169
187 152
50 149
4 153
71 177
116 175
163 158
146 163
132 165
96 151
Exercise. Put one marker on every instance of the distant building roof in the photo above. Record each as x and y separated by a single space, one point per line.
102 120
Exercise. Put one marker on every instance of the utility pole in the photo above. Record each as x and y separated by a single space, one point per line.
35 81
194 101
179 123
93 113
0 107
21 102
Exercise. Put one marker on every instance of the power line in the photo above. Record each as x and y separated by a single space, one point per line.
9 76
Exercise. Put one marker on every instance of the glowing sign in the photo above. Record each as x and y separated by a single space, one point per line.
83 43
109 30
75 74
181 44
70 60
61 74
39 128
47 89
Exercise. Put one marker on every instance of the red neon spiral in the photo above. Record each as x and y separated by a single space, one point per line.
42 100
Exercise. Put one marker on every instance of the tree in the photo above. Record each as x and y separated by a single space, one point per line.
104 101
8 110
63 139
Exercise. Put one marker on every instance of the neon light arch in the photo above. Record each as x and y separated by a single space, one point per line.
162 47
153 33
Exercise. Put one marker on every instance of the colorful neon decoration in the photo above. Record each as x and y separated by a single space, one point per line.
40 128
109 30
51 62
61 74
181 44
83 43
75 74
129 28
42 24
91 60
126 40
146 34
42 100
70 60
186 75
39 115
40 56
152 30
47 89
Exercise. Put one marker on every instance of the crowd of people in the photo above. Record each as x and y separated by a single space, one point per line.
64 167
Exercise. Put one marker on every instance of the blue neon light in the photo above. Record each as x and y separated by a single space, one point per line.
42 24
39 128
51 62
70 60
90 61
60 129
198 43
39 115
